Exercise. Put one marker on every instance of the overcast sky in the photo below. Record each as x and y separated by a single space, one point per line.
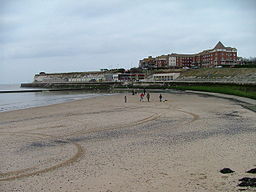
87 35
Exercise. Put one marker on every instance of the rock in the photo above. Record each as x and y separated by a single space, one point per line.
247 182
245 179
226 170
252 171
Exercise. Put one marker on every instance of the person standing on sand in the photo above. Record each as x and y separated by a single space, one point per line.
125 99
160 97
148 96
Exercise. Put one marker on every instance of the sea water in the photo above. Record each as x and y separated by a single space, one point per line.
23 100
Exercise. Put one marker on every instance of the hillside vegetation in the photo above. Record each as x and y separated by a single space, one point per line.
220 74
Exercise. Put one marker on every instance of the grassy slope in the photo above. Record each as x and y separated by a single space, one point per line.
218 72
212 73
232 90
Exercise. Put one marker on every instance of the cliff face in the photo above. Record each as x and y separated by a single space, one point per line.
229 75
71 77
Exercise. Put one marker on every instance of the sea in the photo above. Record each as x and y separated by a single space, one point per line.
22 100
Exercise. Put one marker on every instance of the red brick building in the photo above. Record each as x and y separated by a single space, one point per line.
219 55
162 61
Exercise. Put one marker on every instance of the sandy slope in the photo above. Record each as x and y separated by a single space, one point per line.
104 144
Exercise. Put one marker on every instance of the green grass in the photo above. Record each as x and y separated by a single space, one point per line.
231 90
238 90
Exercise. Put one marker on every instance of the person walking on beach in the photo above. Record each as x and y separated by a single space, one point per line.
148 96
141 97
160 97
125 99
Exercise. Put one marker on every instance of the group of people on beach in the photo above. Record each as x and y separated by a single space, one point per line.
143 94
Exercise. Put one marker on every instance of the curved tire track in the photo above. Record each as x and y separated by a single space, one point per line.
26 172
12 175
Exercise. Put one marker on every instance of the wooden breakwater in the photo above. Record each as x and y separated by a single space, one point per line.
38 90
72 86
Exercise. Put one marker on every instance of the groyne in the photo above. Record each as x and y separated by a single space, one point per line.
38 90
73 86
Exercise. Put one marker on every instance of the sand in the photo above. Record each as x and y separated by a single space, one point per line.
103 144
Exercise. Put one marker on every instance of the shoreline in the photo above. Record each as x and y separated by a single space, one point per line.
245 102
15 101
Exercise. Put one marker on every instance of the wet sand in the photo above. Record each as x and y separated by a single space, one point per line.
104 144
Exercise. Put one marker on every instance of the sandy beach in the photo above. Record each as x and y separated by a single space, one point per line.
103 144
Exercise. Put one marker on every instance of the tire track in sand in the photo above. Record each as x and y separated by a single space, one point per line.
27 171
12 175
195 116
120 126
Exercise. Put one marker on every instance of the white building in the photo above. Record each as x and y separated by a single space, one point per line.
172 61
165 76
115 77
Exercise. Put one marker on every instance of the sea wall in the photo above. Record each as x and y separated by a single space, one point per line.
112 85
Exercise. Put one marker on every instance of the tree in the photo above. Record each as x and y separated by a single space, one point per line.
136 70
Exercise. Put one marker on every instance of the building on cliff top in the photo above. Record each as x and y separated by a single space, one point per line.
219 55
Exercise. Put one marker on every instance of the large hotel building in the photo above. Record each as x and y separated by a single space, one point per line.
219 55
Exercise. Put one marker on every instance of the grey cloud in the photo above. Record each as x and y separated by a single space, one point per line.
94 34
